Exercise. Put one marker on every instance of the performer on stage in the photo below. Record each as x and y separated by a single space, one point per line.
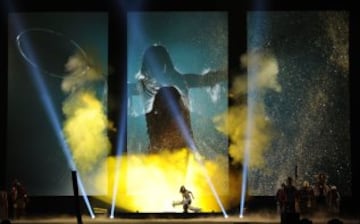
186 200
19 199
280 198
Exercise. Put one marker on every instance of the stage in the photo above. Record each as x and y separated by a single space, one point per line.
179 218
59 210
154 220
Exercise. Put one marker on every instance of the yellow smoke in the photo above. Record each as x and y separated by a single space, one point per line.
147 183
263 68
150 183
81 70
85 127
235 127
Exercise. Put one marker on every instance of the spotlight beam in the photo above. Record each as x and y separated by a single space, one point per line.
119 151
248 138
49 108
251 98
211 185
136 31
187 136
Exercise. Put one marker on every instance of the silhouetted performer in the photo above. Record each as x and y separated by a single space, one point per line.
165 92
290 214
334 200
186 200
321 189
305 221
19 199
306 198
335 221
280 199
5 221
4 208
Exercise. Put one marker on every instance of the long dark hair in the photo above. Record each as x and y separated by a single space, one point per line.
156 61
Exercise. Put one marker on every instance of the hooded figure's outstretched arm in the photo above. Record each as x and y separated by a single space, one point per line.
132 89
209 78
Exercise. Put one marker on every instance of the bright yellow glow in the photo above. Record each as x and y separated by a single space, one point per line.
85 127
85 130
150 183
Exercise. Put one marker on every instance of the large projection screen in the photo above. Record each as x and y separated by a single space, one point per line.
57 68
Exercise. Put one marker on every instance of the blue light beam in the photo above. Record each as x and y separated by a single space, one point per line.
135 31
49 107
119 150
187 136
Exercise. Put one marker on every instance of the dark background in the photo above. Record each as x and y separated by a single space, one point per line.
237 45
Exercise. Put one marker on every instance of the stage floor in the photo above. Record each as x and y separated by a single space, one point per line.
260 218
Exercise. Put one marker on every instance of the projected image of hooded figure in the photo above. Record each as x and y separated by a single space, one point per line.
165 92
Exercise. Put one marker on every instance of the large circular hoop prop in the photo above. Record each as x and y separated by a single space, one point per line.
48 50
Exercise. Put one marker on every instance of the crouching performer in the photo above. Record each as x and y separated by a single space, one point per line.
187 197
